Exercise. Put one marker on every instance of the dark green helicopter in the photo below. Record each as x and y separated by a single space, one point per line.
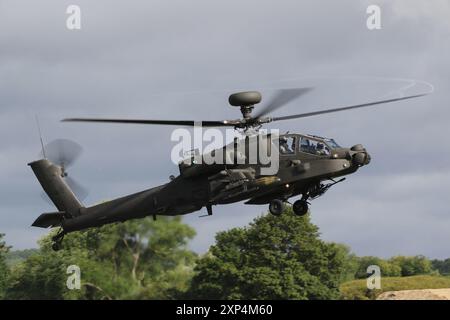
307 166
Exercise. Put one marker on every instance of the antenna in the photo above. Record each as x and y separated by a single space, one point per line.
40 136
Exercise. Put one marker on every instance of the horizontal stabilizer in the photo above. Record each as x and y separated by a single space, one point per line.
49 220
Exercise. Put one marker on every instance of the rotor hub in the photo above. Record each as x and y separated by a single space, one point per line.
247 111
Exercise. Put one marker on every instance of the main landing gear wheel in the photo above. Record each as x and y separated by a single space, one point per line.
300 207
276 207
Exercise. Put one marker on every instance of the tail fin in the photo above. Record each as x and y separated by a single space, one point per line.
50 178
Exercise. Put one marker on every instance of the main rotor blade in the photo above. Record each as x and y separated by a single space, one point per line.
280 99
356 106
222 123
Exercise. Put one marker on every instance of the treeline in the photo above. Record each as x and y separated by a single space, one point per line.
272 258
16 256
399 266
442 266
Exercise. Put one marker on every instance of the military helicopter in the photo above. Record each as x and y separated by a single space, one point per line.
308 166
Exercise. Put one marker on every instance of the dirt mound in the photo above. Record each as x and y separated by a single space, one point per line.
425 294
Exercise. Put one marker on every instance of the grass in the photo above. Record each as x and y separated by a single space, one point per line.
357 289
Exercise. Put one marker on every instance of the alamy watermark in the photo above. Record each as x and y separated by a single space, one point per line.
73 21
74 280
373 21
374 278
212 146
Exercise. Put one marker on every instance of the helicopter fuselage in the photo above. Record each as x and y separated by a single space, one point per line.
305 162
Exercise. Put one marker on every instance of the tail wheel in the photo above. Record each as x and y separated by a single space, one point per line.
57 240
276 207
300 208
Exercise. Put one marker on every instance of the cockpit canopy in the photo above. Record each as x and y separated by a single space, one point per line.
307 143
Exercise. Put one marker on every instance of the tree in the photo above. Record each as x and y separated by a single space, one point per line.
411 266
132 260
387 268
41 276
351 263
273 258
14 257
443 266
395 266
3 267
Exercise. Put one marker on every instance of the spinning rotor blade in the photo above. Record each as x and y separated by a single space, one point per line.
315 113
80 191
222 123
281 98
46 198
62 152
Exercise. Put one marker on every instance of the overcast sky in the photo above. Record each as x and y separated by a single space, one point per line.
181 59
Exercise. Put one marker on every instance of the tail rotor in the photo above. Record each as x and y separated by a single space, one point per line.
64 153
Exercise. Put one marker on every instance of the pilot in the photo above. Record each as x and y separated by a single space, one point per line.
320 149
284 147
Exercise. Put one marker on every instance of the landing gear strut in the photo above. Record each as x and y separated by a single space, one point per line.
57 240
276 207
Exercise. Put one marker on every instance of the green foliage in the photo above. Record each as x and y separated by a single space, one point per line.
138 259
351 263
273 258
4 271
357 289
16 256
39 277
395 267
412 265
388 268
442 266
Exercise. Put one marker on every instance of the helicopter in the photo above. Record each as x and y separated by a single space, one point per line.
307 166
